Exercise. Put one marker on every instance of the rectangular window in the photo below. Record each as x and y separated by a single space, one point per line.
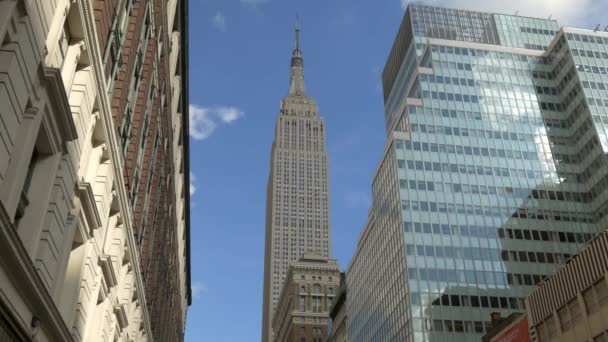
64 41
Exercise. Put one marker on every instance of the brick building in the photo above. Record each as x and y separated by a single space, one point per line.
94 196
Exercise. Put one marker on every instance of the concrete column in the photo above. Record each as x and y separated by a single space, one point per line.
70 288
92 332
66 248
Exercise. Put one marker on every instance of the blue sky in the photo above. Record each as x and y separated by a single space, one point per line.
239 71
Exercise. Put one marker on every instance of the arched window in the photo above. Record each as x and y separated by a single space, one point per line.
331 290
303 288
316 288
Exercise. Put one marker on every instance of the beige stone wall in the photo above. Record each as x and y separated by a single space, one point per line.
68 267
313 281
572 304
178 152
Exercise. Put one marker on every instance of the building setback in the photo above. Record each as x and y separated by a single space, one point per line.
94 202
297 199
494 172
309 291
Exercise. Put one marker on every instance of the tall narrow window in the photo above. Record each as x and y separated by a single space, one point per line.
23 199
64 41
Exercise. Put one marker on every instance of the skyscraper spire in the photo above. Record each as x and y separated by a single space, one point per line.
297 33
296 86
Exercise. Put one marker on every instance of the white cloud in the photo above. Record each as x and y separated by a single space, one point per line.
201 124
568 12
229 114
219 21
192 184
205 120
198 289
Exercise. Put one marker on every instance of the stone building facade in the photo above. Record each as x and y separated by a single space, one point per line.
309 291
297 200
94 202
572 304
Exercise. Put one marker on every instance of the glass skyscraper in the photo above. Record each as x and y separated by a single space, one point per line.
494 171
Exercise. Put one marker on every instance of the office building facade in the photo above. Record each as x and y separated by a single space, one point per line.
297 200
309 291
494 172
94 211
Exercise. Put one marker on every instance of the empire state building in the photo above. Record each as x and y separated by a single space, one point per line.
297 207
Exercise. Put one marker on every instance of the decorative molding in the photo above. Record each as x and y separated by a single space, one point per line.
105 262
104 290
87 198
60 100
121 315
